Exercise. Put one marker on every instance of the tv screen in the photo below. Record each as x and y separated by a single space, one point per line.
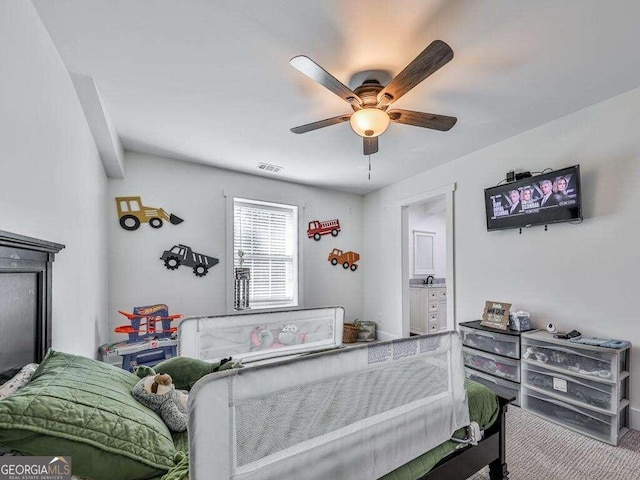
539 200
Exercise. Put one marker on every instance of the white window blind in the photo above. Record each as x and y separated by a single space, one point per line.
267 233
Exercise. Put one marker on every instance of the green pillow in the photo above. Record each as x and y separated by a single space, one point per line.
186 371
79 407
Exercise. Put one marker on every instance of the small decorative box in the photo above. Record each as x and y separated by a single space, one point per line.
520 321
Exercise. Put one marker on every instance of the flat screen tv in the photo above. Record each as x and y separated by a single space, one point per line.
550 197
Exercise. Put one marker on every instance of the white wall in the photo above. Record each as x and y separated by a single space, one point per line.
578 276
53 183
196 194
429 217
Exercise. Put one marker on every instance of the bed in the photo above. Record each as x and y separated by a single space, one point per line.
351 413
30 261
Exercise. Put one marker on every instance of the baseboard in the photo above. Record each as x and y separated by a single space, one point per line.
634 418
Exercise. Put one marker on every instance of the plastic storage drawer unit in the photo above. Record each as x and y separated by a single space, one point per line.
506 345
502 387
571 360
575 390
594 424
582 387
495 365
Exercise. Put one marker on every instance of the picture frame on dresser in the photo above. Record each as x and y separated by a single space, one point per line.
496 314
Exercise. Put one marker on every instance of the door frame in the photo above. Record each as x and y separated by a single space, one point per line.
446 191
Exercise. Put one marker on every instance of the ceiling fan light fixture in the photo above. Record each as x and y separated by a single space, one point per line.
369 122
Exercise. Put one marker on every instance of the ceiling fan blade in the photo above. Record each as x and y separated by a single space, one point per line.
432 58
420 119
370 145
314 71
322 123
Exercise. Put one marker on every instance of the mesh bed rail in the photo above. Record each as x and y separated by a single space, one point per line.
257 336
351 413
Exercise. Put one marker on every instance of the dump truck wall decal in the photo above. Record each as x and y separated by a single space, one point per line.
183 255
346 259
131 213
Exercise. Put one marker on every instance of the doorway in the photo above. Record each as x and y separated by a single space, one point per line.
427 257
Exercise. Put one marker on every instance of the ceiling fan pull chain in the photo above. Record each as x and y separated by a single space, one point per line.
369 167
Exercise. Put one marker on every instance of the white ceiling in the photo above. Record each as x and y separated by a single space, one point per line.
210 81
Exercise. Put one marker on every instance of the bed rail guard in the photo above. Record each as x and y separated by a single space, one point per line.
330 414
254 336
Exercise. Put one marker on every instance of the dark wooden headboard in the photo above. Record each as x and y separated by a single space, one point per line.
25 300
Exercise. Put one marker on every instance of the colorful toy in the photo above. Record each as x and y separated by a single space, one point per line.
150 337
144 323
158 393
317 228
131 213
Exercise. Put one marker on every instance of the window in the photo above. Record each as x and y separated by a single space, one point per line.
267 234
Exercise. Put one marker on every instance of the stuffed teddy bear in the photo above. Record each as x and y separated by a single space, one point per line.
158 393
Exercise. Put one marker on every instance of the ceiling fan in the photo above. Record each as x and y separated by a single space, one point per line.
371 100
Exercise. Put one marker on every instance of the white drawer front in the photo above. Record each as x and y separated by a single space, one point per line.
492 364
572 361
597 425
507 345
575 390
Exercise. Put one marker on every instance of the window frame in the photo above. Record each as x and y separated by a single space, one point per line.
230 253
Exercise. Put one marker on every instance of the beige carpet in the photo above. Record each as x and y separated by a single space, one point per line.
541 450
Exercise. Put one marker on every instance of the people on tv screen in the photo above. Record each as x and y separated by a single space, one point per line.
564 194
528 199
514 202
548 199
549 192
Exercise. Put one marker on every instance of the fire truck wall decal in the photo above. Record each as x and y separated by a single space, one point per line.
317 228
346 259
183 255
131 213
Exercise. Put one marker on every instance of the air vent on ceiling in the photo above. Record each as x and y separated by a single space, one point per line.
266 167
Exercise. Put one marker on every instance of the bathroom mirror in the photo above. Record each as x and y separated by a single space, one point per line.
423 253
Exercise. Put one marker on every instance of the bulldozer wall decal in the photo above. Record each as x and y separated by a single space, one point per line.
131 213
184 255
